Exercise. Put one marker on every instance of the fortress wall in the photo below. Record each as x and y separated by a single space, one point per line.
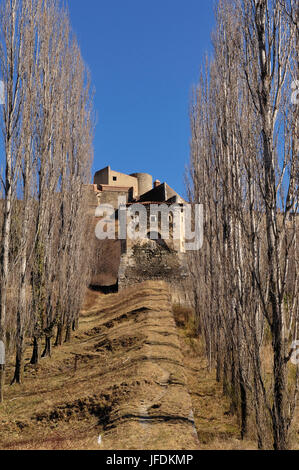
106 176
152 262
111 197
123 180
102 176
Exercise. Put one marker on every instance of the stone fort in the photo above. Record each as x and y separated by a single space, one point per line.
122 263
137 187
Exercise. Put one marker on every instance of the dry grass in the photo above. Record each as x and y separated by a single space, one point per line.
217 427
138 378
129 386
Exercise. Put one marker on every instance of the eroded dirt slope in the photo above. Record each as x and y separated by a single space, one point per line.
122 377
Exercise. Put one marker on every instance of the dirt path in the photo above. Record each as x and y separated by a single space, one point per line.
129 385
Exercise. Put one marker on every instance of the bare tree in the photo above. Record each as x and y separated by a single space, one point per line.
244 169
10 64
47 135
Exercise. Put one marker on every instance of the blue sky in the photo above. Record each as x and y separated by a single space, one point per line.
144 57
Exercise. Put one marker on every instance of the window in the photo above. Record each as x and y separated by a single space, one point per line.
114 178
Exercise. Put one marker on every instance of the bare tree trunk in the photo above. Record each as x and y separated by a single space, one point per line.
36 351
47 350
10 63
68 333
58 341
19 365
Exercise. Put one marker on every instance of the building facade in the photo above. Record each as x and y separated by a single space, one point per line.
151 257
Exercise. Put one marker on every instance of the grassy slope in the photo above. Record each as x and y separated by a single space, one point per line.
134 371
217 427
129 385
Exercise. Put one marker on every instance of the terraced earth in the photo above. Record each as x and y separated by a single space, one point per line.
122 378
133 377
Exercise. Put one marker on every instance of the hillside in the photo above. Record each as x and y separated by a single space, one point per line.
134 373
122 377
